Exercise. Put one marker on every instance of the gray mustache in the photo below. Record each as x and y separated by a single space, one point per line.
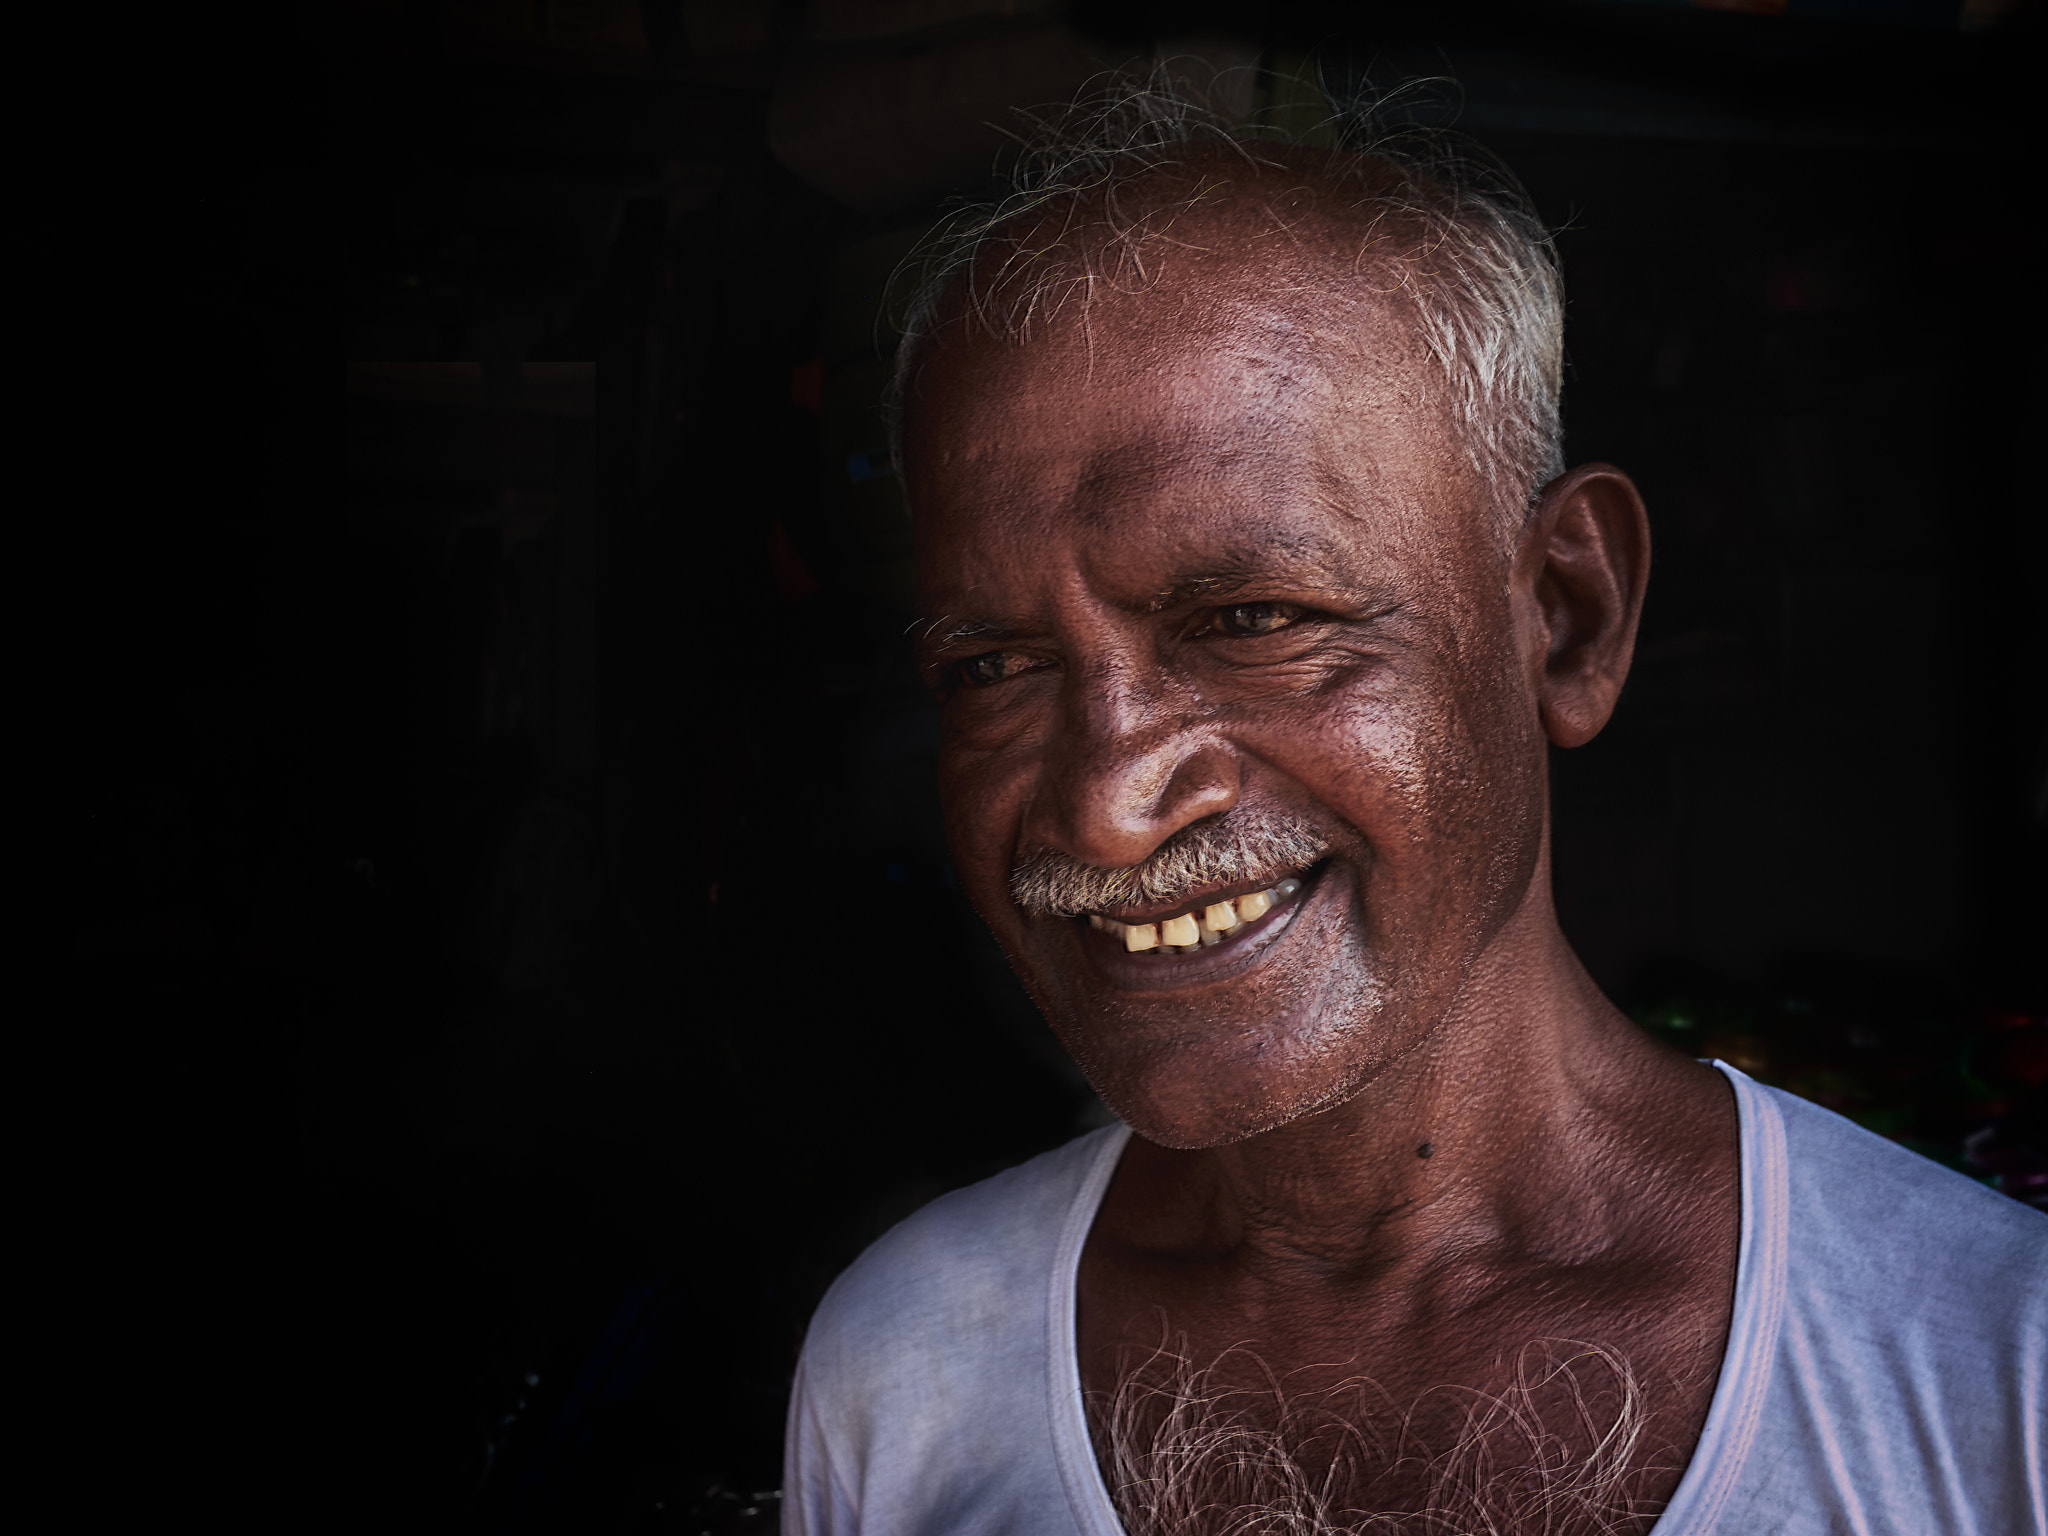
1260 848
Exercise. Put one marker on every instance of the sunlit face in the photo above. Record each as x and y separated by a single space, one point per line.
1209 558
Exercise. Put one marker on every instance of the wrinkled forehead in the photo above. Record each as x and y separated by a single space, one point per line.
1234 356
1216 353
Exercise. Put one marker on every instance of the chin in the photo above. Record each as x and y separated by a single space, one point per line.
1195 1127
1188 1098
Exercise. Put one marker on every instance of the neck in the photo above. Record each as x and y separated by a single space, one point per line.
1506 1124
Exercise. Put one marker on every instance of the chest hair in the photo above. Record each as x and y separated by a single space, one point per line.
1229 1449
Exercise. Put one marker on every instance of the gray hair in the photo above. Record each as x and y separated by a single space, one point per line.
1474 259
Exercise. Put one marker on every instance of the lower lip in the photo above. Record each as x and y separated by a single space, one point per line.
1148 971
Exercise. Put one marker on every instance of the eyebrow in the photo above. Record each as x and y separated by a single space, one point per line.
946 631
1298 560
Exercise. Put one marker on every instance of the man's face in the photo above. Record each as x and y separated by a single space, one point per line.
1205 570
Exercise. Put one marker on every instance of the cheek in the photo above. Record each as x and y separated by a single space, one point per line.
1487 797
1375 762
980 802
968 798
1442 778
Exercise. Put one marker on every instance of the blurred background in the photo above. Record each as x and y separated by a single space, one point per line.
519 958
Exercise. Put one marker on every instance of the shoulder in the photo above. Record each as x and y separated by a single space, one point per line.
1889 1352
967 1266
923 1399
1884 1210
1908 1292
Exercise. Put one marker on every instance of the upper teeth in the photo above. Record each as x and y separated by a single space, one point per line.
1187 931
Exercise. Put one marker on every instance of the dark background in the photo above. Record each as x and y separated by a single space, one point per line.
519 962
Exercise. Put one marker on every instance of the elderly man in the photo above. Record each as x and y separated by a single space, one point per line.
1256 590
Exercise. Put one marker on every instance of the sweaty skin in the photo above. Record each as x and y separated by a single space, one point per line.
1209 547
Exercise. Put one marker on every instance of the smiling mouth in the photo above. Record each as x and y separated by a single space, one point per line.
1199 927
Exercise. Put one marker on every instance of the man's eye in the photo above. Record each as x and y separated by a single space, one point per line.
989 667
1244 620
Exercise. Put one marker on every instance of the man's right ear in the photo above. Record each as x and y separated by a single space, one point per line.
1586 557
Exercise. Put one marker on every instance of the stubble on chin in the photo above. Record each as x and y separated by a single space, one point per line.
1307 1041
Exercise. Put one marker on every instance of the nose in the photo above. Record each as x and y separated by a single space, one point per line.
1130 762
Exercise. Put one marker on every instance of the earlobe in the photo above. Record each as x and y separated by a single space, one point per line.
1586 555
